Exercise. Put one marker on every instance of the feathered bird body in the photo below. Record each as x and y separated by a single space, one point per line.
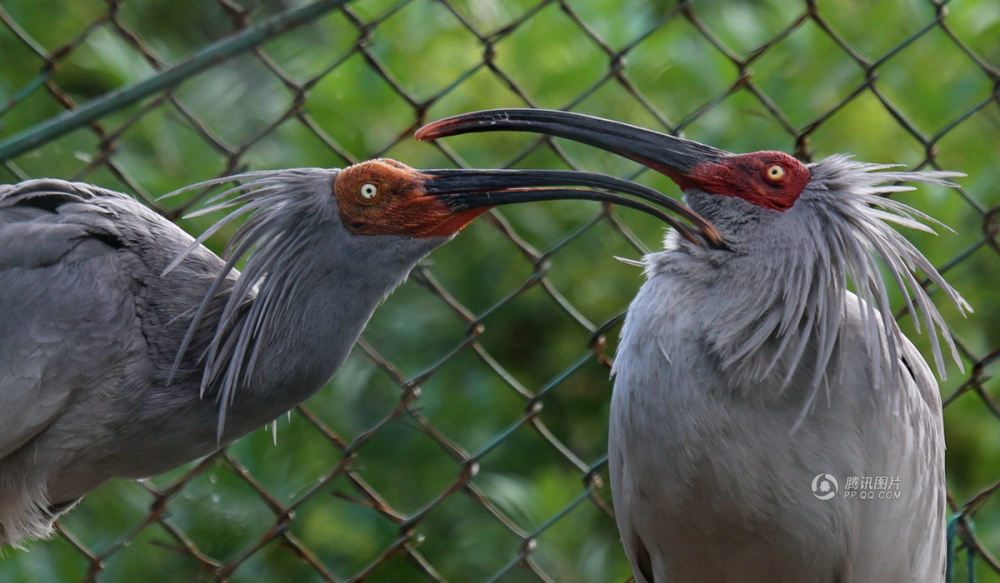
97 387
127 348
757 370
749 377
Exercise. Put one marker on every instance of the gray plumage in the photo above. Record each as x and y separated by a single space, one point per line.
742 375
97 295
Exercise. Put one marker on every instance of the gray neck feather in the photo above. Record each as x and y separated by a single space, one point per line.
307 289
786 281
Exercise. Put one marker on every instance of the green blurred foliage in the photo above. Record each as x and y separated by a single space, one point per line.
439 58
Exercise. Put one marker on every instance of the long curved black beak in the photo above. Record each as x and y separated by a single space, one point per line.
669 155
468 189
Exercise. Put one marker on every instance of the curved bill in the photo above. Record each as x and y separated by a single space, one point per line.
468 189
669 155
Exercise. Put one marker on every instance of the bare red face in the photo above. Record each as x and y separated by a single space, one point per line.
771 180
386 197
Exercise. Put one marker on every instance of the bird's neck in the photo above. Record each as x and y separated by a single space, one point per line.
302 322
787 282
769 318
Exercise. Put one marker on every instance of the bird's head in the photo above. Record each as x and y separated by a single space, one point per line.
386 197
768 180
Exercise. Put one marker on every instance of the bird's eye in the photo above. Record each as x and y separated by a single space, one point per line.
775 173
368 191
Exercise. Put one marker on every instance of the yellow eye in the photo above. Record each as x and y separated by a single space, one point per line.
368 191
775 173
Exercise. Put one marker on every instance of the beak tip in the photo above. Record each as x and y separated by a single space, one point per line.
715 237
430 131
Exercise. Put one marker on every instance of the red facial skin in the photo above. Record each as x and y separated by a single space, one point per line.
771 180
399 206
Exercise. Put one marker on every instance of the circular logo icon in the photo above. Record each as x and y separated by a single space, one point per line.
824 486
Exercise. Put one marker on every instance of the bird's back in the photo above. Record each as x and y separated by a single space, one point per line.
88 334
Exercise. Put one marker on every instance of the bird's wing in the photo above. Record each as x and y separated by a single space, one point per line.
899 436
51 232
927 476
47 222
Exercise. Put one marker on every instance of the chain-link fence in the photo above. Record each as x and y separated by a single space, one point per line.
464 439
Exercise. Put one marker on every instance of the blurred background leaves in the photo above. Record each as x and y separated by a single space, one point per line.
372 481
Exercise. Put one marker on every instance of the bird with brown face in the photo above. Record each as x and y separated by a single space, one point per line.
127 347
755 393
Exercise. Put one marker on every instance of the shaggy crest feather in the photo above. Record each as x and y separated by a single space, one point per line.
273 205
850 219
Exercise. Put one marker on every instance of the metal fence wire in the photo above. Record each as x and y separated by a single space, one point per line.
464 439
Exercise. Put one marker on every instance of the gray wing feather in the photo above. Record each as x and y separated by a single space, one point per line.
88 332
48 230
26 404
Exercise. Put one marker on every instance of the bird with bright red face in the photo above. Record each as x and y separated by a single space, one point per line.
762 382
